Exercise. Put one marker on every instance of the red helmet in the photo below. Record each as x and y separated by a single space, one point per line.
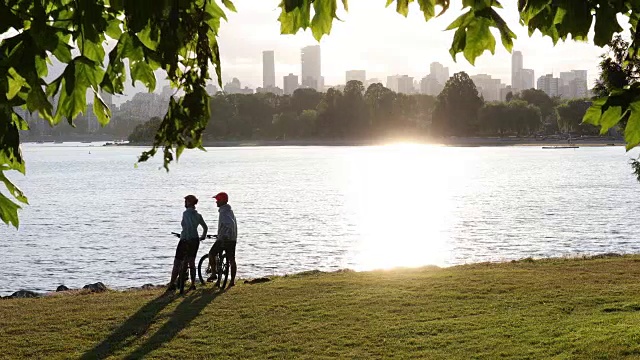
222 197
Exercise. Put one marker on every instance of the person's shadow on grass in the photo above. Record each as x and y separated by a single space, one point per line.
184 313
138 324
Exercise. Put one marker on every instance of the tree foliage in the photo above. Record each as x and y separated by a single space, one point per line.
570 117
180 37
516 117
456 110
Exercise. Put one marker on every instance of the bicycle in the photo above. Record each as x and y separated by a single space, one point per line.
183 273
222 268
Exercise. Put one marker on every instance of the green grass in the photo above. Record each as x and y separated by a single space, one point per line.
558 308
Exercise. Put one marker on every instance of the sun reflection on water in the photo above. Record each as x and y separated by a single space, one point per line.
401 195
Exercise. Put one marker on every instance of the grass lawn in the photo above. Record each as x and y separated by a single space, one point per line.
557 308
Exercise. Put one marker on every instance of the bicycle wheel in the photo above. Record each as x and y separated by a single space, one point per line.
204 268
225 267
220 268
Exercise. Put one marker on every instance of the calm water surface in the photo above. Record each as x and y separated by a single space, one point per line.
94 217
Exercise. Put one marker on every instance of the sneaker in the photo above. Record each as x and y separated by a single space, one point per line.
231 284
212 278
171 288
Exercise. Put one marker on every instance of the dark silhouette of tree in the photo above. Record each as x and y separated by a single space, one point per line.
456 110
570 117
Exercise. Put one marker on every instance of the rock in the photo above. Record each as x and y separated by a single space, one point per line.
22 294
61 288
149 286
97 287
257 281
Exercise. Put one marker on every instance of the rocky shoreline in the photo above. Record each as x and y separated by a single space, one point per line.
100 287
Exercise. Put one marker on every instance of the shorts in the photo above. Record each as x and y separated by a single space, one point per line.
187 249
229 247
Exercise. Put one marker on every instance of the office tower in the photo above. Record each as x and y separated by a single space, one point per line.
268 70
311 67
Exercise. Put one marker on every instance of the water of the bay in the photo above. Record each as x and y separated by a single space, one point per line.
93 216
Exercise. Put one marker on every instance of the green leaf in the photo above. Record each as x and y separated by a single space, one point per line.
80 74
532 8
606 25
16 82
609 118
114 29
91 50
632 131
296 19
9 211
147 38
478 39
13 190
141 71
101 109
38 101
229 5
402 7
325 11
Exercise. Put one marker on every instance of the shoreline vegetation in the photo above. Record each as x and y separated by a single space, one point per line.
582 307
454 142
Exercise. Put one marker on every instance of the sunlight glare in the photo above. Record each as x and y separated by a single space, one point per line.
400 195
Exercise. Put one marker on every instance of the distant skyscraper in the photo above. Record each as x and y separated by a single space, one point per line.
405 84
439 72
430 86
392 82
488 87
516 69
290 84
527 79
573 84
359 75
311 67
211 89
549 85
268 70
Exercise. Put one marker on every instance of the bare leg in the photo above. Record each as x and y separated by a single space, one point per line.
232 261
212 260
174 272
192 267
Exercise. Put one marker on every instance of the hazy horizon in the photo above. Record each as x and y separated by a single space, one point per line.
380 41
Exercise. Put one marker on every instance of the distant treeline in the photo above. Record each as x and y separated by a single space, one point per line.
359 113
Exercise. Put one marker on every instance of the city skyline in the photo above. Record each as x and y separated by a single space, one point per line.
398 46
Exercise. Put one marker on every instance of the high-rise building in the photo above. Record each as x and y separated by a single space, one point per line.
392 82
439 72
290 84
358 75
430 86
405 84
573 84
549 85
488 87
310 59
505 91
516 68
527 79
268 70
211 89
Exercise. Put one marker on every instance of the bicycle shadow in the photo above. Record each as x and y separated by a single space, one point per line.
136 326
184 313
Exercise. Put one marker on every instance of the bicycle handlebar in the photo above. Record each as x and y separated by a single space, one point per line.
208 236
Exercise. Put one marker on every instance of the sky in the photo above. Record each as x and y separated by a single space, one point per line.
383 42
